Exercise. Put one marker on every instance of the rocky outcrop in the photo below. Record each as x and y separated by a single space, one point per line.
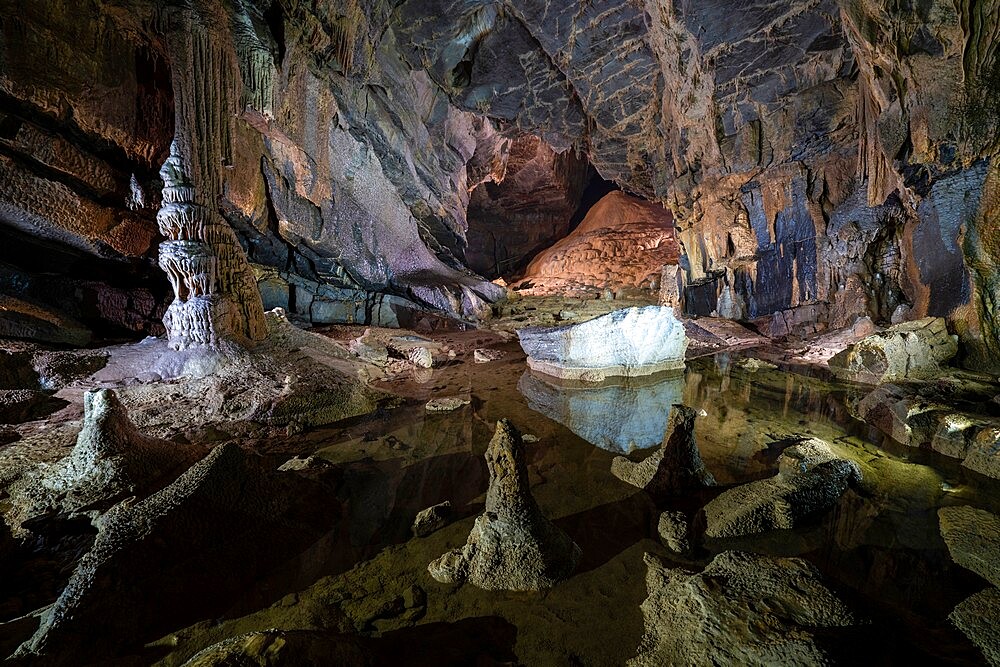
622 243
973 539
512 545
976 618
624 343
674 531
676 467
810 480
433 518
742 609
111 460
195 539
620 417
907 351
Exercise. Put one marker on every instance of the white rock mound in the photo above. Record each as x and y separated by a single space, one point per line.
625 343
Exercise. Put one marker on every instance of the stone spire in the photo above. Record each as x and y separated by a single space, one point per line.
216 297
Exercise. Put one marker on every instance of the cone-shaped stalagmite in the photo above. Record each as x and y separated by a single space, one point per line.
512 545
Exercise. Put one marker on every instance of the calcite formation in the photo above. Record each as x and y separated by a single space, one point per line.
676 467
810 480
743 609
216 297
625 343
623 242
512 545
907 351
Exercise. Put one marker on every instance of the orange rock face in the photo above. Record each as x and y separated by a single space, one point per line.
622 243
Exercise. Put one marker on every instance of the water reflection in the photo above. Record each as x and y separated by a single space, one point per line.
621 416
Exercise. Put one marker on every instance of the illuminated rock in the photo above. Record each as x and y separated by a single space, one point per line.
625 343
512 545
911 350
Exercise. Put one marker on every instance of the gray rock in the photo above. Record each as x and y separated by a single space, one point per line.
973 539
112 459
906 351
809 481
977 618
673 469
433 518
623 343
743 609
512 545
674 531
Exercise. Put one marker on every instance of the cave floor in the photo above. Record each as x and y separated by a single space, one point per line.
364 582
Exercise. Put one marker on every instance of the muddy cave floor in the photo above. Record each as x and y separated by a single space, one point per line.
365 576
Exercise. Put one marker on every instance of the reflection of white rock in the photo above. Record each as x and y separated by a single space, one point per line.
620 417
625 343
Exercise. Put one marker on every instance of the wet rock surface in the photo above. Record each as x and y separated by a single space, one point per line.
908 351
810 480
741 609
676 467
512 545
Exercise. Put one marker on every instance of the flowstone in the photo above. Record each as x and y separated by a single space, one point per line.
743 609
673 469
512 545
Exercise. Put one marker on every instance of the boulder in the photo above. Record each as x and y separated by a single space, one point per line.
674 531
624 343
512 545
976 618
907 351
676 467
973 539
810 480
743 609
486 355
446 404
433 518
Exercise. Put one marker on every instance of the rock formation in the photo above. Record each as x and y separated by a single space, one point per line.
623 242
811 479
512 545
433 518
216 297
743 609
908 351
976 618
625 343
674 531
973 539
676 467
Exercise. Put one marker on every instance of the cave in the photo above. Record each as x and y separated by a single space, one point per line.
426 332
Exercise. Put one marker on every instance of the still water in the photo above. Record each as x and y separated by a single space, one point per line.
880 548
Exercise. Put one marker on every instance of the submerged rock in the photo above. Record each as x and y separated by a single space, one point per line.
512 545
906 351
486 355
446 404
743 609
973 539
676 467
811 479
433 518
977 618
624 343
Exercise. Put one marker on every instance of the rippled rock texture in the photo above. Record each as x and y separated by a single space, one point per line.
742 609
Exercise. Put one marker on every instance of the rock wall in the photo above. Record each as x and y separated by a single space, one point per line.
822 159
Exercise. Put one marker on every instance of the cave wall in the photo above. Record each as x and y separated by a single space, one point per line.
822 159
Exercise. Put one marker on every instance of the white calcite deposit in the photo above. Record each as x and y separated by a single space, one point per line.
625 343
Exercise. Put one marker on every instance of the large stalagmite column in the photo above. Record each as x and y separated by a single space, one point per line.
216 296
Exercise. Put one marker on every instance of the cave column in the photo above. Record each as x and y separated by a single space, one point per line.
216 297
